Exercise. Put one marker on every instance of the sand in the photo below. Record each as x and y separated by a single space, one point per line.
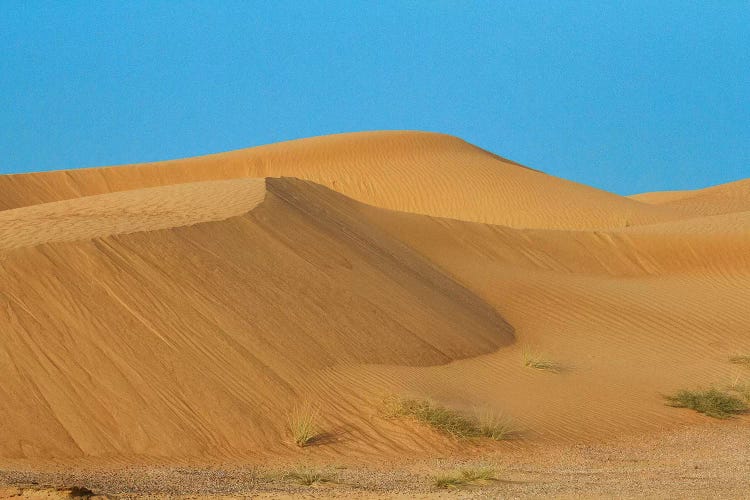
172 314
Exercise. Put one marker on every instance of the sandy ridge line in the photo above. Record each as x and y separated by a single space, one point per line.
121 212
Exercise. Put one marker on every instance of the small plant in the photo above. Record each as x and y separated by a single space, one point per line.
309 477
711 402
538 361
464 477
740 360
741 388
449 421
303 424
443 419
495 426
477 474
445 481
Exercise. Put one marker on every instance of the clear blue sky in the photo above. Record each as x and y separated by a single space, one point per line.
627 96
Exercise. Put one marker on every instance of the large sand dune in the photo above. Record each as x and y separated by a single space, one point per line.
179 310
424 173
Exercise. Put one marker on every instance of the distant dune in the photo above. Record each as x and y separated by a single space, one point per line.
177 311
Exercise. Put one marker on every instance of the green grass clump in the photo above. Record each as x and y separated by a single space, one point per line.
303 424
309 477
449 421
464 477
711 402
740 360
538 361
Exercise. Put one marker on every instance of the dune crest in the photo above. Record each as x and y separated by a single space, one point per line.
716 200
418 172
123 212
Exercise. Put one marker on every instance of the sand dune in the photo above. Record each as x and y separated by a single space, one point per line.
177 311
128 212
716 200
417 172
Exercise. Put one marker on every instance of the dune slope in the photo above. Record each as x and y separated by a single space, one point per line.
198 338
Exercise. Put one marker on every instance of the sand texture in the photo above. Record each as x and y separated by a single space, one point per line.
173 314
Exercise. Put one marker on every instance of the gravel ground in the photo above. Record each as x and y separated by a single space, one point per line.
698 462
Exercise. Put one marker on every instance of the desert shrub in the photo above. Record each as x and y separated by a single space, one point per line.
309 477
303 424
711 402
449 421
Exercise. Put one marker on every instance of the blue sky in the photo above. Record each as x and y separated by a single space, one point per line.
626 96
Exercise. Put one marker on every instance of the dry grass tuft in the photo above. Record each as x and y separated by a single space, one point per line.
309 477
711 402
495 426
538 361
440 418
449 421
303 424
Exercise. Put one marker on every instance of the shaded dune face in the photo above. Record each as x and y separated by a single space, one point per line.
190 340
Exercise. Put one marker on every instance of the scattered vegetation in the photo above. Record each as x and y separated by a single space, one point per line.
309 477
740 360
303 424
711 402
464 477
449 421
538 361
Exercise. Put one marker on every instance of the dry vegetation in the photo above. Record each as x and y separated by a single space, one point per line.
449 421
309 477
741 388
495 426
711 402
303 424
539 361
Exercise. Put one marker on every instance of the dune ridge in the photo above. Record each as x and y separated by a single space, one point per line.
123 212
716 200
419 172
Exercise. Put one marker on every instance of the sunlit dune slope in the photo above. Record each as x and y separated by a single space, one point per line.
128 212
418 172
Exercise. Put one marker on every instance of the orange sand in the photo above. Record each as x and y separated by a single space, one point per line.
176 311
